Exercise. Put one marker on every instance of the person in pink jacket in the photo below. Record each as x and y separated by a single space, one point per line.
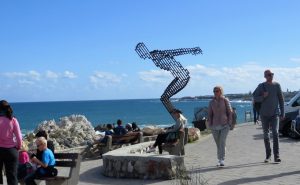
219 121
10 143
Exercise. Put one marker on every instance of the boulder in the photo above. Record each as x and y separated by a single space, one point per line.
151 130
71 131
194 134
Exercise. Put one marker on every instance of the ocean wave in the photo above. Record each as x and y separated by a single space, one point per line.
240 101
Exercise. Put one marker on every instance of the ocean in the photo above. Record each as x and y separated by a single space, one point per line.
142 111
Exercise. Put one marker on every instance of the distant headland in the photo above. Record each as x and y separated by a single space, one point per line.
239 96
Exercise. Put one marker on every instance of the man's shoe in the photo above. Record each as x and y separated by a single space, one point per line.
277 160
222 164
219 163
267 160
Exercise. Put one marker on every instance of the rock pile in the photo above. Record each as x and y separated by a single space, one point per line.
132 162
194 134
151 130
70 132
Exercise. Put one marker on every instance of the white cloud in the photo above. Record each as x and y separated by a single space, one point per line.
35 78
30 74
104 79
14 74
34 75
242 78
203 70
293 59
159 76
69 74
51 75
25 82
66 74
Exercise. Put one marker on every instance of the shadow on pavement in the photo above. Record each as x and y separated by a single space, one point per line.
257 179
284 139
288 140
94 176
258 137
214 168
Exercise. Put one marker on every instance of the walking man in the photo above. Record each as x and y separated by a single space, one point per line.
272 109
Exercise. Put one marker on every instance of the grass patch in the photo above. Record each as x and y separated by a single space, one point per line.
184 177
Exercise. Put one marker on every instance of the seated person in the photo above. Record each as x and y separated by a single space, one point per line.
46 164
128 127
24 165
120 130
163 137
108 132
50 145
135 128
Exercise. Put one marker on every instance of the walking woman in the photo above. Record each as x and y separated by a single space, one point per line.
219 120
9 129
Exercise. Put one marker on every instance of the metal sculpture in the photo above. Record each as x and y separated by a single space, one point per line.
164 59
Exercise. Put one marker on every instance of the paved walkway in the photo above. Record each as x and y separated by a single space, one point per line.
244 163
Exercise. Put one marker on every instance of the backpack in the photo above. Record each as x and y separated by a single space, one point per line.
257 105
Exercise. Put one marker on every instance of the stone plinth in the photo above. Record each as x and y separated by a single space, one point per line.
134 162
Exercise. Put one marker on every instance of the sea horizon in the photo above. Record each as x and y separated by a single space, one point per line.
173 98
142 111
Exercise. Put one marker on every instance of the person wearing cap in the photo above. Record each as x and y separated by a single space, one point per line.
128 127
270 95
181 122
220 121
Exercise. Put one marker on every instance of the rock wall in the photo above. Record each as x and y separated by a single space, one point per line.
132 162
70 132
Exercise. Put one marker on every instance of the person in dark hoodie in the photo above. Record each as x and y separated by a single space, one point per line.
120 130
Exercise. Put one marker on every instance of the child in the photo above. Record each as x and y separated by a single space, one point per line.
24 166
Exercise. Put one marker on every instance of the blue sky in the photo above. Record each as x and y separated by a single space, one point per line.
84 50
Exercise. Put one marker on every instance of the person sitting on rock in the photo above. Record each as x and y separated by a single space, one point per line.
46 164
167 133
119 130
135 128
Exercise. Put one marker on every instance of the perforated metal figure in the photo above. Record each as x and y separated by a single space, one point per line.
164 59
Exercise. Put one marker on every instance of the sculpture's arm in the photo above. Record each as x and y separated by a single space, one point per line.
177 52
142 51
